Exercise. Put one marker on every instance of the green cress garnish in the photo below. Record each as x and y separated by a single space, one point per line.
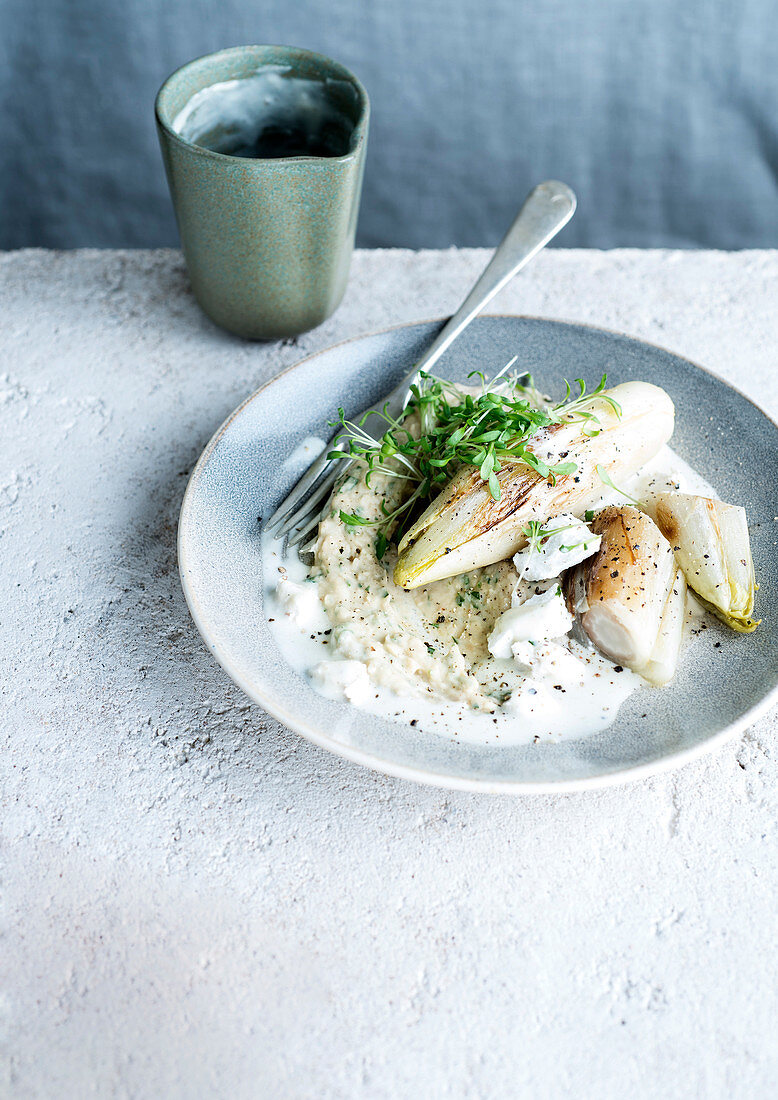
482 430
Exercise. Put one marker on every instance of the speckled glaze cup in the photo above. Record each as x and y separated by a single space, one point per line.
267 243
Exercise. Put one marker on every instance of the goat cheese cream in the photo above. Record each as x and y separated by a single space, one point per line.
490 656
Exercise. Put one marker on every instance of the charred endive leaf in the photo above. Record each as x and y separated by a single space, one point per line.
464 527
629 595
712 547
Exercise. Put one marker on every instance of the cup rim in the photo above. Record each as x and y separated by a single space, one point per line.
360 126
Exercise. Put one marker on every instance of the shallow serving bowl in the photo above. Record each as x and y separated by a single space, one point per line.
725 680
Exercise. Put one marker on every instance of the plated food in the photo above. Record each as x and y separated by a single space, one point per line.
504 568
723 681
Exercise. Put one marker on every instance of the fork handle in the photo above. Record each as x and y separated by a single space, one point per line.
547 208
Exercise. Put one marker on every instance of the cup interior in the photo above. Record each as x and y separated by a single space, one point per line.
218 103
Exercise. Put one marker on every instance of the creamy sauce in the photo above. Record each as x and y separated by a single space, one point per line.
548 687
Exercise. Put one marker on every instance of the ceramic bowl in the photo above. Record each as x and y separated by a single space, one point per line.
725 680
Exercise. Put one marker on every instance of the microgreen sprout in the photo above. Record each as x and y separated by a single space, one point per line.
578 407
536 534
605 478
457 429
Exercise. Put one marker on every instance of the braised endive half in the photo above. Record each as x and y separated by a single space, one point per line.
475 522
712 547
631 595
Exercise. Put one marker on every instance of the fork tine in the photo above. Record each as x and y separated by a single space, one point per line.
298 536
306 482
322 490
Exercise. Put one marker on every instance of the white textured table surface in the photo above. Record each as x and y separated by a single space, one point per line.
198 903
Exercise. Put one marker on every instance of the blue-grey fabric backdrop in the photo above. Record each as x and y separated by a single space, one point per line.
662 114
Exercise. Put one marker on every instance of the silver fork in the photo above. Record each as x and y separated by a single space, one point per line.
547 208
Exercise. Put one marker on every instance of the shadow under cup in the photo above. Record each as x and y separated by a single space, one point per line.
267 235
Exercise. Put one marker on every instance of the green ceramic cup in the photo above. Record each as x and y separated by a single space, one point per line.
267 242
